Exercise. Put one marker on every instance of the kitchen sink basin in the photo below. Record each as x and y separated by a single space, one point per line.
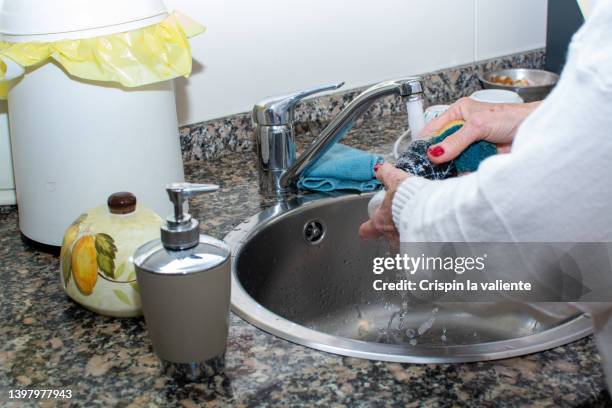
301 272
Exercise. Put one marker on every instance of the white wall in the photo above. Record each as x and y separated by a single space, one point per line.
509 26
254 49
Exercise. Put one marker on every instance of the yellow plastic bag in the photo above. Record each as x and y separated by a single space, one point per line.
135 58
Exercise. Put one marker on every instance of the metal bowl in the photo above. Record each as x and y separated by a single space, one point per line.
540 82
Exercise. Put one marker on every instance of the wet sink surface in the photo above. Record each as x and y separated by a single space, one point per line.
301 272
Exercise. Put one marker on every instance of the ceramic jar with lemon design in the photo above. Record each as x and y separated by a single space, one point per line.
96 266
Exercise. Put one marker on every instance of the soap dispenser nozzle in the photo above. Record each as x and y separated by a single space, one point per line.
181 231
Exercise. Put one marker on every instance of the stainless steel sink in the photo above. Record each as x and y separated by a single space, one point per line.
301 272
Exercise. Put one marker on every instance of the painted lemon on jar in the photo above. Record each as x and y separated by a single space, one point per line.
84 264
96 266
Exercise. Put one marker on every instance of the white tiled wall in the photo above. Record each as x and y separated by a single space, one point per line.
506 27
254 49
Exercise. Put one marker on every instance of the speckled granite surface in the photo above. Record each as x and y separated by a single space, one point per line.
214 138
46 341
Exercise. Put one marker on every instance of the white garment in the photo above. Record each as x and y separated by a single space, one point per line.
555 185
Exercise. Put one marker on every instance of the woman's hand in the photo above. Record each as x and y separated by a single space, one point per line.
495 123
381 223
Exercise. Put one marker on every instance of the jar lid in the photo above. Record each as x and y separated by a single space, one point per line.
121 203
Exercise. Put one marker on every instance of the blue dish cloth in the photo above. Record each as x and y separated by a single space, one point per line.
342 168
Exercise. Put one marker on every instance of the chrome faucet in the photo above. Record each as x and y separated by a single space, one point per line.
279 170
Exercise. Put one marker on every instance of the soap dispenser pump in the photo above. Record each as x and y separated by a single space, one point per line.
184 280
181 231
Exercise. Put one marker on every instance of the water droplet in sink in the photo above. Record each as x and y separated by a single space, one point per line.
426 325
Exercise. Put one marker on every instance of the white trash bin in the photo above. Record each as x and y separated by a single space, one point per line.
74 141
7 184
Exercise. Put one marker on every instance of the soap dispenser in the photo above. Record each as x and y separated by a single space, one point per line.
184 280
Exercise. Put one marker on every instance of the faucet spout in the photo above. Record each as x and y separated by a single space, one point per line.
407 88
273 118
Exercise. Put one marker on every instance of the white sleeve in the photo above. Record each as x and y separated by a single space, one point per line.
453 210
554 185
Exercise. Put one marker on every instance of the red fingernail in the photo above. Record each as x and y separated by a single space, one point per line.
377 166
436 151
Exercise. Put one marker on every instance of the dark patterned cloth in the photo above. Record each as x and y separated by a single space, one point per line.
415 161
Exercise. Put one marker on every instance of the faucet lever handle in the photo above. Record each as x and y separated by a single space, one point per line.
278 110
297 96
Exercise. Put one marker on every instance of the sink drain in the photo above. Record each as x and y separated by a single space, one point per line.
314 231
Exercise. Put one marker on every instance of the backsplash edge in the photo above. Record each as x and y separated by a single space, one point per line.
211 139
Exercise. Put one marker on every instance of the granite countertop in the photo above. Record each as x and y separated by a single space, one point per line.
47 341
